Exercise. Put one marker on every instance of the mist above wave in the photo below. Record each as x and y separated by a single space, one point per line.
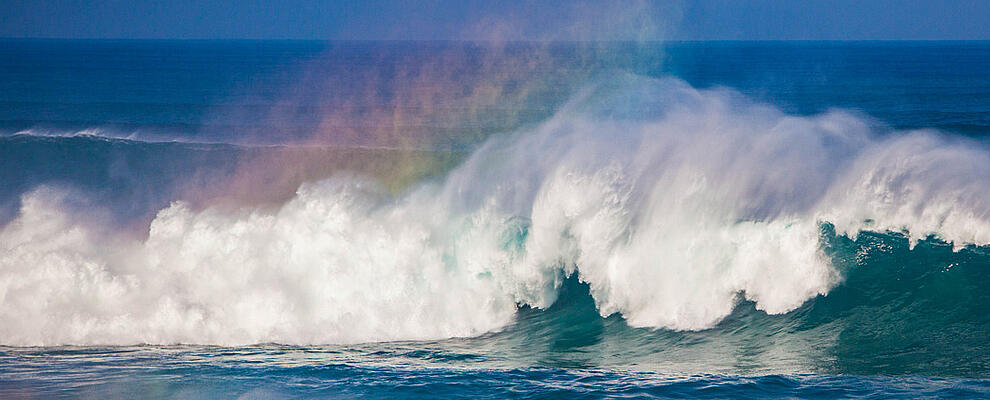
672 203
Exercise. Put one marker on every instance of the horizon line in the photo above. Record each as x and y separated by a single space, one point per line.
476 40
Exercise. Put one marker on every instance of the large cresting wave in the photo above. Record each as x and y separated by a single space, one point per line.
671 203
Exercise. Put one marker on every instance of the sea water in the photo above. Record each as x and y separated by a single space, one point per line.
257 219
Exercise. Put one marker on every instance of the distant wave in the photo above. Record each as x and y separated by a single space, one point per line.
94 133
98 133
136 137
672 204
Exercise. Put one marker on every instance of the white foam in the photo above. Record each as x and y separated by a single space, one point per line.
672 203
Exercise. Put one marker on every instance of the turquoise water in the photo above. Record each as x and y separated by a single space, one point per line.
297 219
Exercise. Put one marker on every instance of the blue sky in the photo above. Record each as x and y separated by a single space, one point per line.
510 20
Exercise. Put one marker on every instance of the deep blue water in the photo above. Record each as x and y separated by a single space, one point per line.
331 290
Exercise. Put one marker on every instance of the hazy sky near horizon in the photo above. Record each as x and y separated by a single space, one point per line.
507 20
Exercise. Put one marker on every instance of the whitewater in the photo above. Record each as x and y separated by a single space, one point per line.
673 204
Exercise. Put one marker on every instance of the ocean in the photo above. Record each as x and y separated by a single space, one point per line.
292 219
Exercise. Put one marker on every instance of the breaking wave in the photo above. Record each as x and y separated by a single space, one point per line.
672 204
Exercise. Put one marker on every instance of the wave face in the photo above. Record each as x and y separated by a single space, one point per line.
665 206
